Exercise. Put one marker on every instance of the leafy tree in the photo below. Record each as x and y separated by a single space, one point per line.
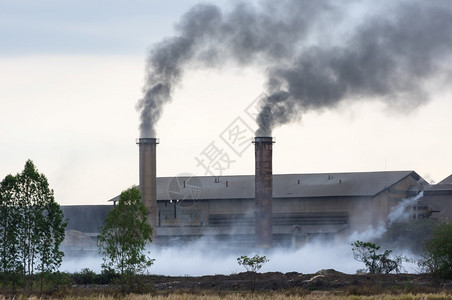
252 264
51 220
437 257
43 223
10 262
35 220
382 263
125 234
29 197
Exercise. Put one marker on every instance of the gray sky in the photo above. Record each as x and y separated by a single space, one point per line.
71 73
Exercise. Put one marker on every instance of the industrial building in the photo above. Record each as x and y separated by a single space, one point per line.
266 210
308 205
438 199
305 206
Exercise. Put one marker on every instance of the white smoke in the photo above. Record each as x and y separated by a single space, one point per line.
209 257
195 259
369 234
72 264
401 212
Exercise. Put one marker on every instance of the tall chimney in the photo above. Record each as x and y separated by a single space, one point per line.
148 179
263 191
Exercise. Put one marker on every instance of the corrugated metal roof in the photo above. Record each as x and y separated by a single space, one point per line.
439 189
444 187
284 185
447 180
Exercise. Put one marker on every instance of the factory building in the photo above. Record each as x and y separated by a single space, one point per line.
437 199
305 206
265 210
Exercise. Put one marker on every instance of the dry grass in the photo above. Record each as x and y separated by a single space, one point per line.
267 296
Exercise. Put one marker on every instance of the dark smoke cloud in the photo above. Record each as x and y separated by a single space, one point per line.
389 55
209 38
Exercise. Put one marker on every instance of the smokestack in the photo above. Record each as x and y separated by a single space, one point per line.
148 181
263 191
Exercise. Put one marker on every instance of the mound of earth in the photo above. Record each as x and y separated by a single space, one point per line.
323 280
328 281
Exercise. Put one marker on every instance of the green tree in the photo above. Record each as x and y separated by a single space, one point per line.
10 262
125 234
28 199
51 221
437 257
376 263
252 264
29 205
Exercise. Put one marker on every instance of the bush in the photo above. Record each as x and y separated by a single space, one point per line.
56 281
383 263
108 276
85 276
252 264
437 257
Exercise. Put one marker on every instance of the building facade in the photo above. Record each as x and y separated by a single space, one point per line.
328 206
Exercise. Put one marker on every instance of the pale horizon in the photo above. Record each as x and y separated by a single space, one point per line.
71 79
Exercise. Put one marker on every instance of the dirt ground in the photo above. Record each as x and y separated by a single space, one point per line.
328 281
293 283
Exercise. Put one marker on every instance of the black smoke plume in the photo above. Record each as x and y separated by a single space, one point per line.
314 53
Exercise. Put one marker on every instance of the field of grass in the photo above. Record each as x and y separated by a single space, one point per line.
263 296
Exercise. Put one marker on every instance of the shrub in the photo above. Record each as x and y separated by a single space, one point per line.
383 263
108 276
85 276
252 264
437 257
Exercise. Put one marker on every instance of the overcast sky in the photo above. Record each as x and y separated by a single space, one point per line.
71 73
